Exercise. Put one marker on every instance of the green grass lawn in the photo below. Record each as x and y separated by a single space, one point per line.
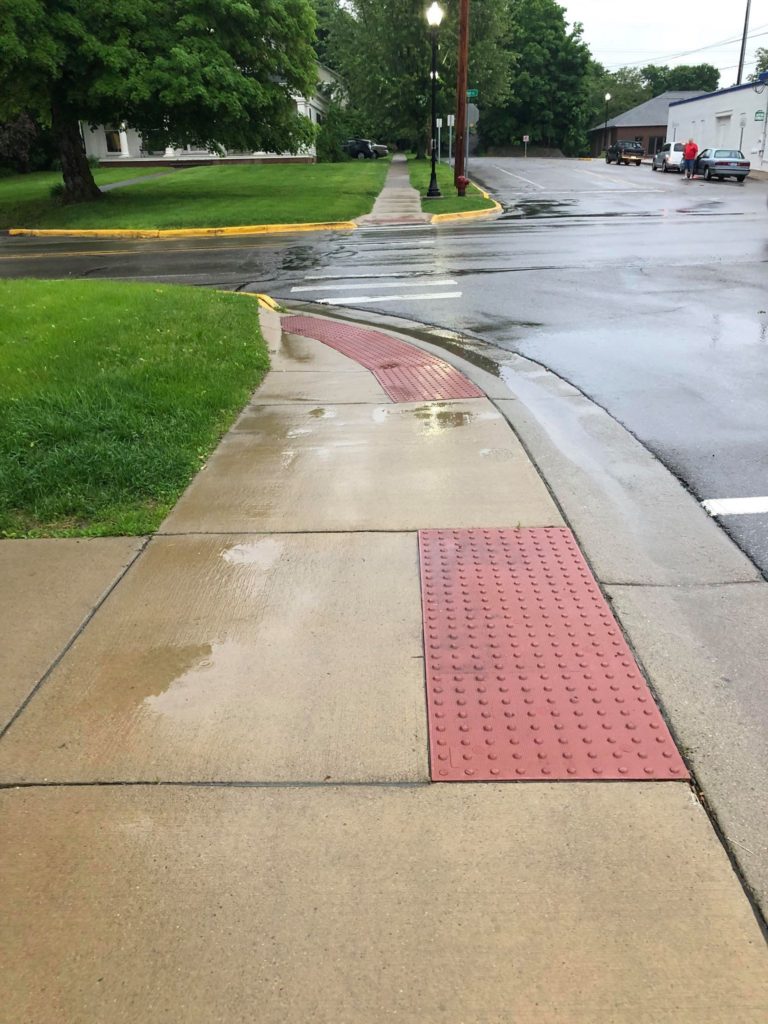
27 196
112 396
420 172
215 196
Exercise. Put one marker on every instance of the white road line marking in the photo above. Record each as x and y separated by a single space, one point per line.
582 191
519 177
423 283
735 506
407 245
351 277
357 299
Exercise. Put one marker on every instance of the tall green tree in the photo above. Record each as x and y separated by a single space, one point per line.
693 77
550 90
204 72
761 63
628 89
382 51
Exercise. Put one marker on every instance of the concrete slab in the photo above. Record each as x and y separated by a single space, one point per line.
706 649
426 905
320 386
293 352
47 589
248 658
366 467
398 202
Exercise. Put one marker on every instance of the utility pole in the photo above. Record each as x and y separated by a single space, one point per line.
744 44
461 91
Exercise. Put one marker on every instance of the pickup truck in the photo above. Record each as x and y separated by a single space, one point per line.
625 151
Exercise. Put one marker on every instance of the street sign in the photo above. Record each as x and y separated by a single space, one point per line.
451 120
759 115
471 94
473 114
526 138
439 122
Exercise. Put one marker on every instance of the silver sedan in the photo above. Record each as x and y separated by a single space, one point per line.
722 163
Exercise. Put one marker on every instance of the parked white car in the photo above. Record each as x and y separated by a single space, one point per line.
669 157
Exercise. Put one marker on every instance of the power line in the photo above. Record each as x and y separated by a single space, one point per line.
756 34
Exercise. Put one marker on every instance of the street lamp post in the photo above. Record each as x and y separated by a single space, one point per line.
434 17
605 126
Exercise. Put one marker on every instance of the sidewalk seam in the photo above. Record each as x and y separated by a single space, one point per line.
68 645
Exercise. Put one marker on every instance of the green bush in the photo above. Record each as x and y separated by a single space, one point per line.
331 135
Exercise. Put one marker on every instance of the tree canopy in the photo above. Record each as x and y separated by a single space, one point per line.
693 77
549 94
761 63
382 50
205 72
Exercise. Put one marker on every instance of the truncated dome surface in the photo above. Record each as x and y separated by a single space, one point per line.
405 372
528 673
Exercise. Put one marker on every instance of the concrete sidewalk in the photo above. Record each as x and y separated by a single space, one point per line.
398 202
217 802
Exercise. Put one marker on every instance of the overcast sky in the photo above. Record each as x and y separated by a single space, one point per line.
652 31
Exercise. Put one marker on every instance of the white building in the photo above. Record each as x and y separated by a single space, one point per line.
735 118
117 144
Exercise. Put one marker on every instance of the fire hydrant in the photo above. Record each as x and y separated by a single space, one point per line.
461 184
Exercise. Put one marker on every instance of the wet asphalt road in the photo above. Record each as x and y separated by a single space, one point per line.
645 291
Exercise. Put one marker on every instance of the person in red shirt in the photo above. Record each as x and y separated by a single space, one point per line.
689 157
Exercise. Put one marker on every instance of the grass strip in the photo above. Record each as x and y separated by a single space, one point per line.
111 397
27 196
420 172
224 195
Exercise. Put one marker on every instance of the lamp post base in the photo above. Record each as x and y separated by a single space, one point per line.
433 192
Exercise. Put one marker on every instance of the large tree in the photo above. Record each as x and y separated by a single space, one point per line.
382 49
550 98
206 72
685 77
761 63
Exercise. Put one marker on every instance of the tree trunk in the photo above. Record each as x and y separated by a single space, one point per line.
79 186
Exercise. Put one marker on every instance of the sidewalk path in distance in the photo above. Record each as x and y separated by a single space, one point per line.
398 202
219 804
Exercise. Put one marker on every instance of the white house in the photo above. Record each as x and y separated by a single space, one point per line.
117 144
735 118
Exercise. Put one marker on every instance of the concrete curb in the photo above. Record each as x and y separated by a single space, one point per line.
251 229
444 218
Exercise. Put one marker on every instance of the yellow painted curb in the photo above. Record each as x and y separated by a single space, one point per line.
442 218
265 301
250 229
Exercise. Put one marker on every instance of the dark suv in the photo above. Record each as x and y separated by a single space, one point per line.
625 151
365 149
362 149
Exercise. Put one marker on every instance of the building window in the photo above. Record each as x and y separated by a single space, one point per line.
113 141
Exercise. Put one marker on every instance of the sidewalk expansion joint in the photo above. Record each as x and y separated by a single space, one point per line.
703 585
219 784
67 646
285 533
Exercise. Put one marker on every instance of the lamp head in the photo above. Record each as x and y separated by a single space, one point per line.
434 15
607 96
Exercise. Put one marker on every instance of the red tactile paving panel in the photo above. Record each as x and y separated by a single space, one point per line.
406 373
528 673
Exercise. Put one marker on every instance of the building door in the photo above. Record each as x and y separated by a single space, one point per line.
722 130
